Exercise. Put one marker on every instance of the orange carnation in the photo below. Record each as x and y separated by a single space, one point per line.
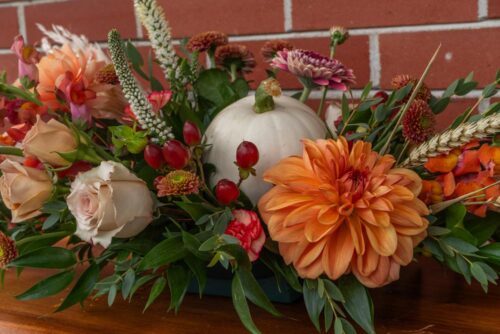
336 210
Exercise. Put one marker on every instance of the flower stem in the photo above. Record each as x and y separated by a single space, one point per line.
234 72
324 90
410 100
305 94
10 150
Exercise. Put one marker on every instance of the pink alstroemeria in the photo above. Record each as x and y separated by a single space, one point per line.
27 56
159 99
74 91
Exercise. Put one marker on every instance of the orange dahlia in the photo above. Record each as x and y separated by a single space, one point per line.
336 210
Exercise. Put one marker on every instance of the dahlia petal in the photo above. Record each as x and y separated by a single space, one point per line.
338 253
328 216
382 218
404 194
286 234
378 277
314 231
285 199
381 191
366 263
405 216
381 204
414 183
404 252
367 216
383 239
302 214
356 234
310 253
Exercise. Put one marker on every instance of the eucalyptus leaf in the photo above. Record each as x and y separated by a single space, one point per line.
82 288
241 305
357 302
48 257
254 292
50 286
156 290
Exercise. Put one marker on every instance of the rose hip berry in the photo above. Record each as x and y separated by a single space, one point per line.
153 156
176 154
191 134
247 155
31 161
226 191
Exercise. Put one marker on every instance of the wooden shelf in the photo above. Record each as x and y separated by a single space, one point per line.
427 299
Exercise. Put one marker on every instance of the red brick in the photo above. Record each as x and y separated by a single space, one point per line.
93 18
321 14
354 54
494 8
8 63
8 26
461 52
188 17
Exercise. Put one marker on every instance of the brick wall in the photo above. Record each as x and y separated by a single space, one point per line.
387 36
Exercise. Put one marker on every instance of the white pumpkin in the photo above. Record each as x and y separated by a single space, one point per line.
276 133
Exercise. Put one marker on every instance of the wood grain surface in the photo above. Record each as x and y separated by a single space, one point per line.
427 299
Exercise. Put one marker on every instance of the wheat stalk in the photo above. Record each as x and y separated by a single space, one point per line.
454 138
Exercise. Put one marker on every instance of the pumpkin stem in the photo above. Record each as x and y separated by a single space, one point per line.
264 94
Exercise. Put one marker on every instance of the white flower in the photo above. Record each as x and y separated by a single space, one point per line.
109 201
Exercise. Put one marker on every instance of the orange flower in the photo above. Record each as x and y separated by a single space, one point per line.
468 185
335 210
75 76
443 163
489 156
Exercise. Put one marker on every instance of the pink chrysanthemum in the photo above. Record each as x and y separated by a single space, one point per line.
178 182
322 70
418 122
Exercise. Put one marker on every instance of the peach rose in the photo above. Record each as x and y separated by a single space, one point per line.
246 227
23 189
45 139
109 201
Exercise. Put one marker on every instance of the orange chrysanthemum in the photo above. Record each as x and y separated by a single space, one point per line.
176 183
336 210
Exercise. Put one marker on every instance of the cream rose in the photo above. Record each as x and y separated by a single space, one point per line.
109 201
23 189
46 138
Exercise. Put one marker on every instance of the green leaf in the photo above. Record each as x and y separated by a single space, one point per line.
156 290
358 303
128 283
134 141
491 252
345 108
328 315
50 286
195 210
460 245
338 329
198 268
348 329
167 251
112 295
82 288
139 283
314 303
50 221
366 90
463 267
489 90
241 305
241 87
254 292
403 92
478 273
455 215
438 231
178 281
35 242
465 88
333 291
483 228
238 253
440 105
450 91
490 272
48 257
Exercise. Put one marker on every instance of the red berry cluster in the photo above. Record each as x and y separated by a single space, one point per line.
174 153
247 156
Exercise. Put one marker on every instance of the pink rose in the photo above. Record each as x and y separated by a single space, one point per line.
246 227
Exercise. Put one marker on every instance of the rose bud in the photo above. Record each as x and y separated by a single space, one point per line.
176 155
226 191
153 156
379 95
191 133
247 155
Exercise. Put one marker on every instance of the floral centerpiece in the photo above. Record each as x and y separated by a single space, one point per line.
118 180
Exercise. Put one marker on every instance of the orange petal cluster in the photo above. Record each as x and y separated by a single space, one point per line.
336 210
462 171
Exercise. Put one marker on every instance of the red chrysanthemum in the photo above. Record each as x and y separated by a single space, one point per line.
206 40
402 80
8 250
418 122
270 48
235 55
